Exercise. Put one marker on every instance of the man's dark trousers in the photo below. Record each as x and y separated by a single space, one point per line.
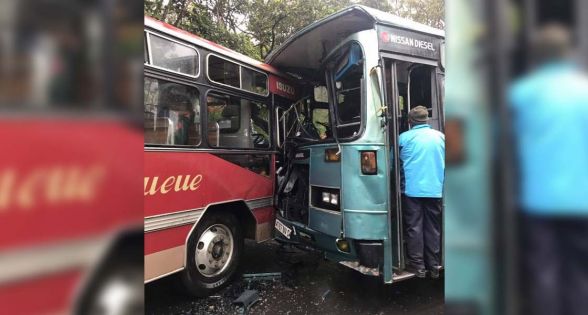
555 259
422 223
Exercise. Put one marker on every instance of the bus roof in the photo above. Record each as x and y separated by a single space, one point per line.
305 48
218 49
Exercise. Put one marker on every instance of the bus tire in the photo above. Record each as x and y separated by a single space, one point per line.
213 253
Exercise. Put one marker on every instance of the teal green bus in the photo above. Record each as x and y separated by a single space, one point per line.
359 72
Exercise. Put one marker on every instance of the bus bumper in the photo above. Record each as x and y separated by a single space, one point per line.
291 232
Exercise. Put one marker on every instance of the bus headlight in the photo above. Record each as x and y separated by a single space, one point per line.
326 197
369 164
334 199
331 198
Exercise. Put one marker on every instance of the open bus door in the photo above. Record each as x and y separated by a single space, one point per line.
407 84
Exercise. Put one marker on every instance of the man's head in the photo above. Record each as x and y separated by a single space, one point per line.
418 115
552 42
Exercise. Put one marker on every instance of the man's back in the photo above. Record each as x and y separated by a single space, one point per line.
422 151
550 108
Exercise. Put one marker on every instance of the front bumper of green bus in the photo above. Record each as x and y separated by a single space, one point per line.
348 252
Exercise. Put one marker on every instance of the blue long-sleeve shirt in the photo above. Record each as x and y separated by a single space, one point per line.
422 152
550 126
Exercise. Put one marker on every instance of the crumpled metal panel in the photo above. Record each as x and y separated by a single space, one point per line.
326 222
325 174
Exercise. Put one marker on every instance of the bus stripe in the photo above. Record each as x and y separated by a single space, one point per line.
190 216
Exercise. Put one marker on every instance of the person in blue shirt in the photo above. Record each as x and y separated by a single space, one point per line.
550 131
422 152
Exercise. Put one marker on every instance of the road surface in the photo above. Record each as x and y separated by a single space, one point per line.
309 285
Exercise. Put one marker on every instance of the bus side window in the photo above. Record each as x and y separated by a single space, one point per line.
235 122
172 113
173 56
253 81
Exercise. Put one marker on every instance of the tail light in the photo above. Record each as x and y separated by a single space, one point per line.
369 164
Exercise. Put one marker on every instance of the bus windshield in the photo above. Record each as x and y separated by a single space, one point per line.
310 118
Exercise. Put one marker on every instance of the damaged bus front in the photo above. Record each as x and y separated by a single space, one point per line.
360 71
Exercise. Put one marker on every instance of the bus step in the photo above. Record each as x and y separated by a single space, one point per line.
402 275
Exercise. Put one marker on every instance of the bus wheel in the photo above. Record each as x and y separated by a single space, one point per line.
214 250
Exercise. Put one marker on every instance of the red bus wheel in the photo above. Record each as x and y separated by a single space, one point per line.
213 253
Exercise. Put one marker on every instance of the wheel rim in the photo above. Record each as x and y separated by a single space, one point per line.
214 250
121 293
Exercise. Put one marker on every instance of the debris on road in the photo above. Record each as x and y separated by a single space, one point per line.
325 294
336 289
246 300
266 276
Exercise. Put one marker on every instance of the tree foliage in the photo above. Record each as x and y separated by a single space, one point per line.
255 27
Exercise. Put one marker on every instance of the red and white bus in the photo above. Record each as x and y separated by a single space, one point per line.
209 159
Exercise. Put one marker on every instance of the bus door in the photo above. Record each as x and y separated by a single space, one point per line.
406 84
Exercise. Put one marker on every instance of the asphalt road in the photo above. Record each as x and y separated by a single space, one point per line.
309 285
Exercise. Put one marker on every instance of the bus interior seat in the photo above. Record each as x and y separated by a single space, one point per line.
181 109
157 130
232 112
230 125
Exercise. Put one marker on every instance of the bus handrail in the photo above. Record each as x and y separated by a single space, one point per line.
217 133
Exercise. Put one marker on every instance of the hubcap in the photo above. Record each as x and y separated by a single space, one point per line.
214 250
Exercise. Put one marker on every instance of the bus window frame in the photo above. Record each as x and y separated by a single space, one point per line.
212 82
200 99
327 69
266 102
329 64
150 64
280 128
146 46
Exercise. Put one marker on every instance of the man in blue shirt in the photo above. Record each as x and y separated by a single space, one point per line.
550 130
422 152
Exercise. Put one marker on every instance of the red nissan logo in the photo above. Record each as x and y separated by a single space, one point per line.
384 36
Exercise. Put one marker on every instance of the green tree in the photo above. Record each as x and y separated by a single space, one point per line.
271 22
256 27
215 20
429 12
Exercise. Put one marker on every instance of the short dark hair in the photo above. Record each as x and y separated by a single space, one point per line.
551 42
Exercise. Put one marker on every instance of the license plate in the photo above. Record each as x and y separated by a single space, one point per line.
284 230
